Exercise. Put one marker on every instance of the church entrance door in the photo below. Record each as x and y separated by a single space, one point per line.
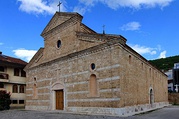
59 100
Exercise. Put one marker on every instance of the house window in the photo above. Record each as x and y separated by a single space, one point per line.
1 85
15 88
16 72
93 66
21 101
58 43
21 89
14 101
23 73
93 85
2 69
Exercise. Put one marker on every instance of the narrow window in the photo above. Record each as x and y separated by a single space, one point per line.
15 88
142 65
151 97
21 89
58 43
16 72
35 91
130 59
150 72
35 80
93 85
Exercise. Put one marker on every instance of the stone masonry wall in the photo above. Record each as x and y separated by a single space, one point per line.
138 78
75 74
119 83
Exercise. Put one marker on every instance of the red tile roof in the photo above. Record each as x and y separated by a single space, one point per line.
9 59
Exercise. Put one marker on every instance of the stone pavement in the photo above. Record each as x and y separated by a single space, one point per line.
171 112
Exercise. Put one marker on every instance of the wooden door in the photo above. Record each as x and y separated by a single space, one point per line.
59 100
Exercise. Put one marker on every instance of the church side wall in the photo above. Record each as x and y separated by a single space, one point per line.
139 77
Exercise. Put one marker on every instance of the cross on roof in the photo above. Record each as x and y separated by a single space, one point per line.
59 5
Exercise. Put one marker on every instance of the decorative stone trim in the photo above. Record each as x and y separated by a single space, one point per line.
80 54
58 28
125 111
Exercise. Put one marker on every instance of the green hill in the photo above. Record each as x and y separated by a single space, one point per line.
165 63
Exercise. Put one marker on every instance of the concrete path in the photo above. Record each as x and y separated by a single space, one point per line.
171 112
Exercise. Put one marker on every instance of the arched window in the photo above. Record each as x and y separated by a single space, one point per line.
151 97
130 59
15 88
21 89
142 65
58 43
150 72
35 91
93 85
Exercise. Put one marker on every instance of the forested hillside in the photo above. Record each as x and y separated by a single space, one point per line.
165 63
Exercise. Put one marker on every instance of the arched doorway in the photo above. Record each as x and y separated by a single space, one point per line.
58 96
151 96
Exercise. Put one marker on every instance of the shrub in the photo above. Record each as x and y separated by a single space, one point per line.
4 100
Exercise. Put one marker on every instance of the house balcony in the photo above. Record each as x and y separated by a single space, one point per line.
2 89
4 77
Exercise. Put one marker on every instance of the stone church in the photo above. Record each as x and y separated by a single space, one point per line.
82 71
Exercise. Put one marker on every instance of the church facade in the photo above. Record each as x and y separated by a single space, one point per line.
82 71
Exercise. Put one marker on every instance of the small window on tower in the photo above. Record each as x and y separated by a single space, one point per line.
58 43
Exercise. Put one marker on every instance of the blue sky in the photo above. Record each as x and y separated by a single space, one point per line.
151 27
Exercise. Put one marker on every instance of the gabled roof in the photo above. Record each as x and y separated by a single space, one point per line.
60 18
11 60
35 58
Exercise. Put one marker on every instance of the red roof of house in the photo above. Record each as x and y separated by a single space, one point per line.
9 59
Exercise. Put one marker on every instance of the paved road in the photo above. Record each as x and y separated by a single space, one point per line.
171 112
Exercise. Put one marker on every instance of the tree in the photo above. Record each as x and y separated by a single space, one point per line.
4 100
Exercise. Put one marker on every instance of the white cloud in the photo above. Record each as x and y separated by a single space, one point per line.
80 10
88 2
24 54
144 50
131 26
1 43
40 6
115 4
163 54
